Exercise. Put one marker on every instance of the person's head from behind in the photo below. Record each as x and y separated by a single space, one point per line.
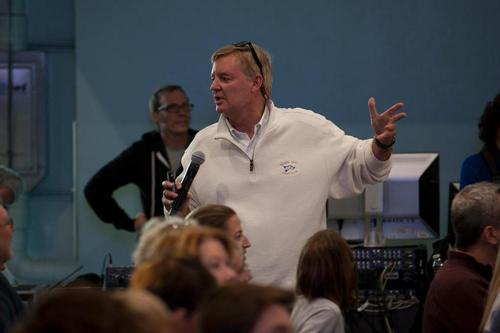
170 109
247 308
182 283
224 218
326 269
489 124
241 74
157 238
213 248
87 310
154 315
6 234
475 216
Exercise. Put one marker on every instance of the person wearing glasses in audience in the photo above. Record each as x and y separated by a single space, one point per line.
11 306
146 162
277 167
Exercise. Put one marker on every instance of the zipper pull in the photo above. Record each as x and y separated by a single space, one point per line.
251 165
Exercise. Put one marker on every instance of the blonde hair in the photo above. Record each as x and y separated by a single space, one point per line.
177 237
157 233
250 67
492 293
190 240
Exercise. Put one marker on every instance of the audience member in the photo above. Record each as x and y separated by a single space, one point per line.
77 310
457 295
326 284
214 249
154 315
157 231
277 167
225 218
146 162
485 165
247 308
182 283
11 306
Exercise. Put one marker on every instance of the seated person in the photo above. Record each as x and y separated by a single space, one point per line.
153 314
77 310
485 166
212 247
11 306
154 232
247 308
182 284
146 162
326 284
457 295
225 218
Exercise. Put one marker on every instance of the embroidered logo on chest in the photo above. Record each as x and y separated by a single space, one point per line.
289 168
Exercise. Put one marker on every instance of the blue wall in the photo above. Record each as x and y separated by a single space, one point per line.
439 57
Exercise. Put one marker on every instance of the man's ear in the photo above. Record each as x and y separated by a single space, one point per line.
258 82
491 234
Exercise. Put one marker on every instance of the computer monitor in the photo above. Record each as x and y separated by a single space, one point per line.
409 203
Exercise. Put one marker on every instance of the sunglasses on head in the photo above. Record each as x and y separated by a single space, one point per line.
254 54
255 58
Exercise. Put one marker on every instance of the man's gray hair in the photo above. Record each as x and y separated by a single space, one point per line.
475 207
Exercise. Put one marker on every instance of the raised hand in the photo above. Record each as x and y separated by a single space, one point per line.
384 124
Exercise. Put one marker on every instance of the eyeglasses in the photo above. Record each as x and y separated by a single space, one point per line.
9 222
176 109
254 54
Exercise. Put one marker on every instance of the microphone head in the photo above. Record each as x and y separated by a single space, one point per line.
198 157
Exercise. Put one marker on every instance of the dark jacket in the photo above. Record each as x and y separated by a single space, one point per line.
457 296
138 165
11 306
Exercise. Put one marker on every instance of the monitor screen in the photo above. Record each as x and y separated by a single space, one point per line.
408 199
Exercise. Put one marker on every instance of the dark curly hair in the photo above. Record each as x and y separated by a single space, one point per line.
490 122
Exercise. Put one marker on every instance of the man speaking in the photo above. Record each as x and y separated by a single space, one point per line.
277 167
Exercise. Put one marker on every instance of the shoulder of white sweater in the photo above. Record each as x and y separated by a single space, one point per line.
306 119
300 113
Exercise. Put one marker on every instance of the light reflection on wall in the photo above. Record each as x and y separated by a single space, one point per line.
26 128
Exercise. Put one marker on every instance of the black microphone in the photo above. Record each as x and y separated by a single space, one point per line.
196 160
